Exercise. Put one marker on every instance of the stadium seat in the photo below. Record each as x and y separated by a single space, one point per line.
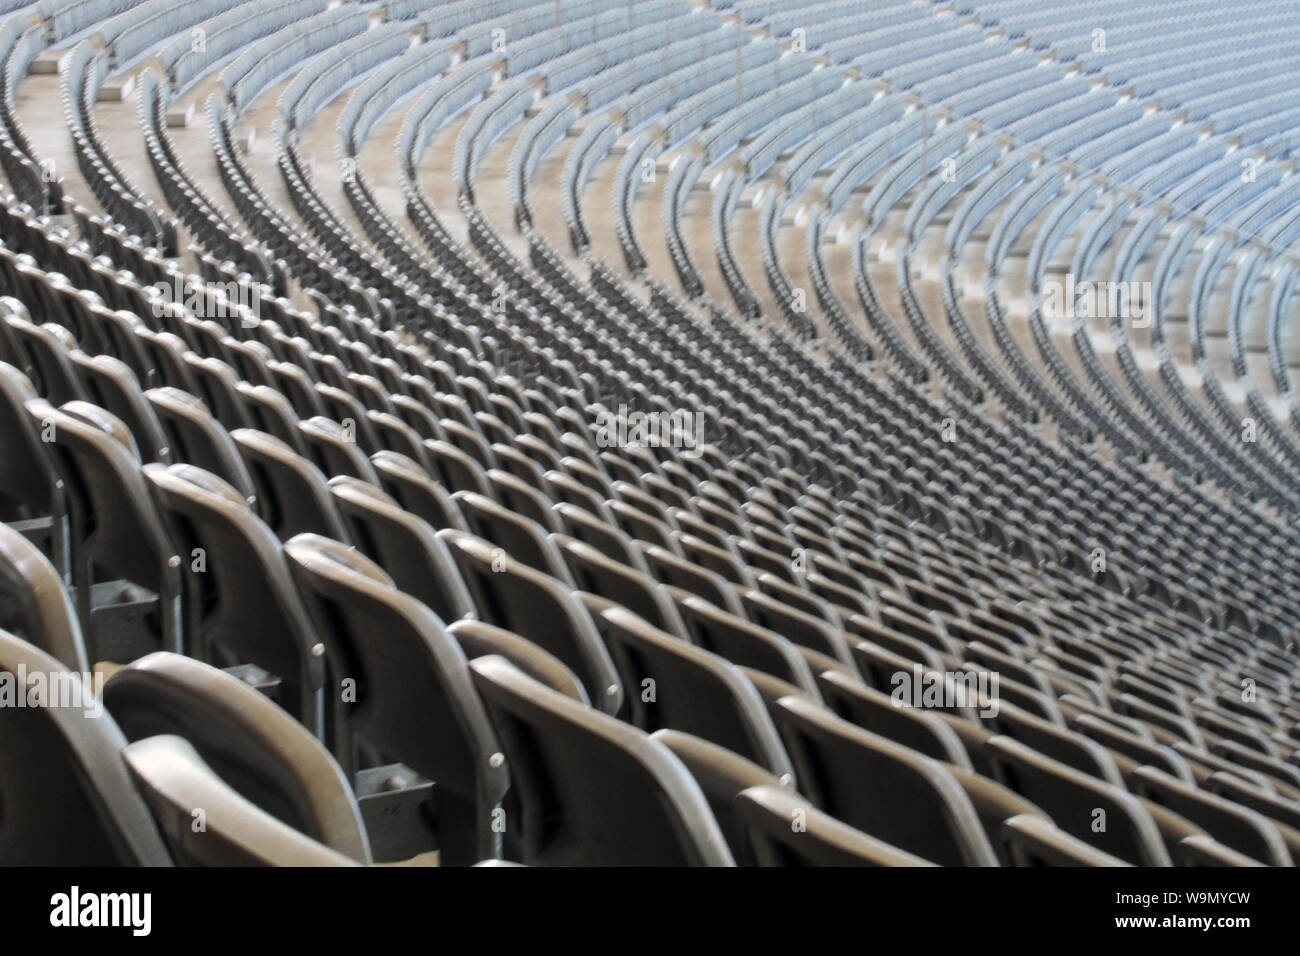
235 743
398 682
878 786
68 799
593 790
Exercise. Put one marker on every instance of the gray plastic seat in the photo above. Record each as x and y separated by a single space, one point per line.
196 438
245 740
607 538
1142 751
913 727
293 496
34 604
784 829
1100 814
1206 851
46 360
30 486
1235 826
270 412
457 470
1073 750
407 692
405 546
521 537
722 775
523 499
411 486
598 574
593 790
477 639
174 781
1271 805
114 523
668 568
1033 841
112 386
746 644
796 625
888 791
686 688
537 607
67 798
566 490
240 601
335 449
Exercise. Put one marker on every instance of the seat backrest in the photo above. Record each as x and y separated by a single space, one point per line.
1121 741
877 712
1206 851
115 522
746 644
34 604
712 556
722 774
537 607
784 829
796 625
1233 825
687 688
599 574
238 592
27 471
112 385
336 448
1033 841
270 412
293 496
477 639
608 539
1271 805
1101 814
567 490
410 693
518 496
592 789
455 469
521 537
45 358
668 568
411 486
1072 749
196 438
808 601
641 526
66 795
174 780
880 787
217 386
260 751
405 546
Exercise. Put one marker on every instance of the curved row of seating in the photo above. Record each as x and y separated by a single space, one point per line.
20 44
